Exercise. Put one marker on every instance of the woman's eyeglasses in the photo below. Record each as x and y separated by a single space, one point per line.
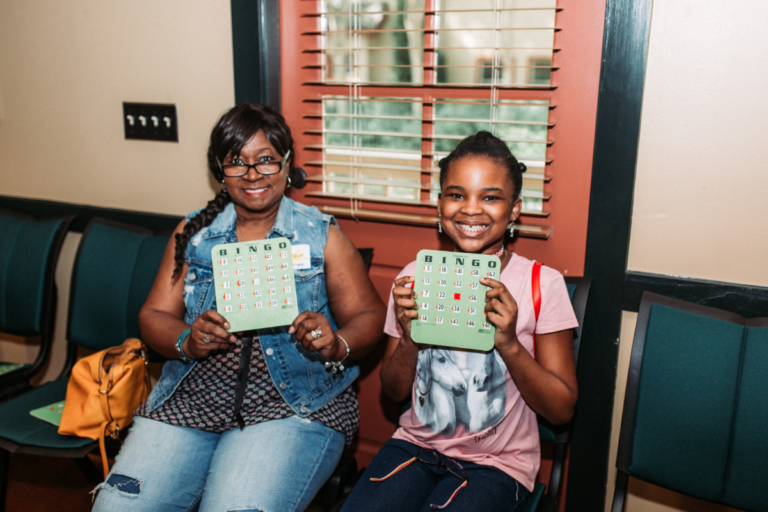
432 458
265 167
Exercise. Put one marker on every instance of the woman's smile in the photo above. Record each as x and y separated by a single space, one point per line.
253 191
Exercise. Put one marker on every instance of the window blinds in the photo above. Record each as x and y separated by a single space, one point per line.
396 84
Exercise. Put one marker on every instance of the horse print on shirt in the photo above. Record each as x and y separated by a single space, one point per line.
459 388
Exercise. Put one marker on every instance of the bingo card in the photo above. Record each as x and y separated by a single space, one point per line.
254 283
451 299
50 413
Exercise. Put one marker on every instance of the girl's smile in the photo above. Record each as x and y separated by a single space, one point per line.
477 203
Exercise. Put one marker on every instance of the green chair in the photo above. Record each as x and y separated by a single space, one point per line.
696 407
545 497
29 250
113 272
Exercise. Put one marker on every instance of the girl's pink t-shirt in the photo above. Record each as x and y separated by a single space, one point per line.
465 404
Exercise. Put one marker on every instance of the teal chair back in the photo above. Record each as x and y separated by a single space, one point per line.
559 435
114 271
29 249
696 405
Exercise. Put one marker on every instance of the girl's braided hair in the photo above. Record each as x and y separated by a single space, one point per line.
233 131
489 146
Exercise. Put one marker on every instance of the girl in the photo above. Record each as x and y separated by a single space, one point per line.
471 426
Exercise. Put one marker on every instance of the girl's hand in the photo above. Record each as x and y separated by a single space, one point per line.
215 326
327 344
501 311
406 308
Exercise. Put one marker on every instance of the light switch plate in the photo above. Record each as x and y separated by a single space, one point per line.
150 121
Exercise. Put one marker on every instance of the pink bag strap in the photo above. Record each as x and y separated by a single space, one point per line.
536 293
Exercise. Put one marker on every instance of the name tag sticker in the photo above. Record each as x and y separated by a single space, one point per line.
300 254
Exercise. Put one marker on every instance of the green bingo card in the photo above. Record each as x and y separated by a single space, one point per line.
254 282
451 299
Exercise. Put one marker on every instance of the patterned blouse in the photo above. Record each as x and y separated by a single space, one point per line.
205 399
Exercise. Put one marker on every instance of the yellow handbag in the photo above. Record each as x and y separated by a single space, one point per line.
103 391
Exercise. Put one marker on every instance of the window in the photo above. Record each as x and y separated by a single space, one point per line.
541 71
397 84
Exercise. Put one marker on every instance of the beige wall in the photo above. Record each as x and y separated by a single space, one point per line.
65 69
699 209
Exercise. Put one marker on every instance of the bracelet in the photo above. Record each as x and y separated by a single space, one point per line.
179 343
338 366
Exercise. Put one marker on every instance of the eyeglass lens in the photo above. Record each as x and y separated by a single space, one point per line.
455 469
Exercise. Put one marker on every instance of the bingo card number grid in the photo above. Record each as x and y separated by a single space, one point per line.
254 282
451 299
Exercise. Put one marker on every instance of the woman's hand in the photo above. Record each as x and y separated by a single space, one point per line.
209 333
501 311
326 344
406 308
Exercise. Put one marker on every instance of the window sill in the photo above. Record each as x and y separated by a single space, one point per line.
524 230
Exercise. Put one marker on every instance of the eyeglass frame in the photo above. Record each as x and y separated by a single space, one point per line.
439 462
254 166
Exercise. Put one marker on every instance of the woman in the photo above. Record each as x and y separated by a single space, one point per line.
469 441
255 420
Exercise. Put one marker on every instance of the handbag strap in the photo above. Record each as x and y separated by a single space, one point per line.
536 295
103 448
111 427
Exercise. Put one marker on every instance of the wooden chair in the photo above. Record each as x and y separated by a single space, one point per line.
696 407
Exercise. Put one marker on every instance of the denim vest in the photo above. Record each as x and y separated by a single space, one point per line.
300 376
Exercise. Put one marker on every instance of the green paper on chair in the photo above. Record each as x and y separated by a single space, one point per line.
9 367
451 299
50 413
254 283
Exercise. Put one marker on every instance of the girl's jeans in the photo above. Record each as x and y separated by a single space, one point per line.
415 487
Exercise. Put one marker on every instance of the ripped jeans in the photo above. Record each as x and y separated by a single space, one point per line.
275 466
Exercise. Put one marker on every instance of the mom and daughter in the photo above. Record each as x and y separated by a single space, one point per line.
256 421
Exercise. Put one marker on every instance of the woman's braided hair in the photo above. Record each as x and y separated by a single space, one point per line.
233 131
489 146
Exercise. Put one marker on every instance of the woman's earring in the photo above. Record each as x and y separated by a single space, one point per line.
289 182
439 226
223 186
511 227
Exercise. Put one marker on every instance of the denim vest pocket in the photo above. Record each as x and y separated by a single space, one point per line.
316 267
308 284
196 284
